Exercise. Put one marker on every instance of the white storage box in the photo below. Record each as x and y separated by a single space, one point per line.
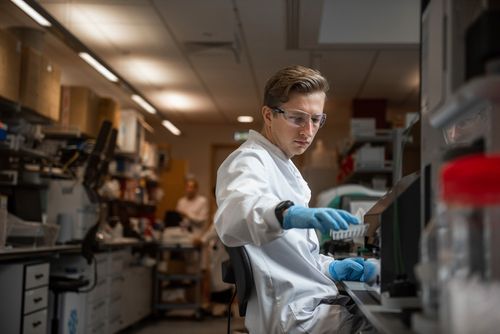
370 156
131 132
363 127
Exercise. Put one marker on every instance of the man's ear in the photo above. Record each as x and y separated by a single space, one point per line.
267 114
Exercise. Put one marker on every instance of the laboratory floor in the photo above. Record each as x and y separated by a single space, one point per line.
209 325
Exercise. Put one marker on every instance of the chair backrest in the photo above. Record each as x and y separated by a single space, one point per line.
238 270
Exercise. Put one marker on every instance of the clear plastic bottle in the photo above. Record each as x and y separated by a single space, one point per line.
427 269
470 192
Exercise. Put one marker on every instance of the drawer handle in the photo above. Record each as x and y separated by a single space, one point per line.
38 299
39 276
37 323
98 305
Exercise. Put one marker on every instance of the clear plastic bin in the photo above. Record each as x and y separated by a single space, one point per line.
23 233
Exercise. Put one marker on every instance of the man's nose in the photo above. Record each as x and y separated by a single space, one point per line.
308 126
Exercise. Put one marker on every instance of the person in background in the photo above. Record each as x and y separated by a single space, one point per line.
216 293
262 204
193 208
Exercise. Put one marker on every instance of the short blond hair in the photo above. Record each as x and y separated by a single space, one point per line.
290 80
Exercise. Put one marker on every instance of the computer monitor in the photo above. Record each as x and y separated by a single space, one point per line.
394 227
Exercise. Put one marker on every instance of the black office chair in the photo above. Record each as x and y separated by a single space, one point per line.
238 271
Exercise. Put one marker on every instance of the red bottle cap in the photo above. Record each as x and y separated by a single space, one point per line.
472 180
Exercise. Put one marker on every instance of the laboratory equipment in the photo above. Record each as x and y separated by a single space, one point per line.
394 235
470 190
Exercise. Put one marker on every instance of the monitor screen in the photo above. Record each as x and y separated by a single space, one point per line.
394 228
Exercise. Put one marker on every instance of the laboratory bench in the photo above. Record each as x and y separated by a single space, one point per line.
117 295
384 319
25 253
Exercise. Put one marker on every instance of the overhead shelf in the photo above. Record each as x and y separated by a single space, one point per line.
381 136
24 152
126 155
353 170
64 133
12 109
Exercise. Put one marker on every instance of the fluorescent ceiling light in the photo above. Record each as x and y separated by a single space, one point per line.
98 66
178 101
146 106
245 119
172 128
32 13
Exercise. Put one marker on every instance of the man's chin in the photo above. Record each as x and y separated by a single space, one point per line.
299 151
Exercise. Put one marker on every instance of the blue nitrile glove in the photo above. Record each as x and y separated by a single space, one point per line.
372 269
353 269
323 219
346 270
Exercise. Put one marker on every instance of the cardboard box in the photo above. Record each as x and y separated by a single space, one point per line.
50 91
10 66
40 84
79 106
108 110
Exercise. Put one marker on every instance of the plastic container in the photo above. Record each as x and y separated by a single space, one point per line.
427 268
468 248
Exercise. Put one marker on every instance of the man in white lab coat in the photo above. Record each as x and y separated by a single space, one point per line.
193 208
263 205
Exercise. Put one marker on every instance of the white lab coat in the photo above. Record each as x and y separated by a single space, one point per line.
293 288
196 211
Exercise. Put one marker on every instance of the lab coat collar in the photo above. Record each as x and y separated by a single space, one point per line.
259 138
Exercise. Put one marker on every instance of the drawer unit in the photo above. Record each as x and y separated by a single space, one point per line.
36 275
35 299
100 290
116 285
24 297
98 327
102 264
116 262
121 296
96 311
35 323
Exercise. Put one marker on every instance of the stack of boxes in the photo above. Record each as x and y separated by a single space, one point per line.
10 66
84 110
40 84
367 156
29 78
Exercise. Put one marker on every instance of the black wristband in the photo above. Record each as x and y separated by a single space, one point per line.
280 208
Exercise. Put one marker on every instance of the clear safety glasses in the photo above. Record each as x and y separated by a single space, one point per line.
300 118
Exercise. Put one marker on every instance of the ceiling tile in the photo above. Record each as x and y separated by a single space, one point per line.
394 75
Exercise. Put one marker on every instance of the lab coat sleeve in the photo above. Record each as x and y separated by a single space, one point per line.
325 264
245 201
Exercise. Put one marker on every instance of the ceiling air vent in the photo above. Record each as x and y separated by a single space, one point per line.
214 47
